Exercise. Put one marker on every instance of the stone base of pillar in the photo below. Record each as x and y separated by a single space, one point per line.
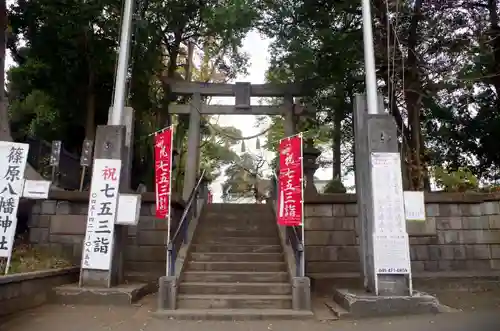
167 293
360 304
123 294
301 293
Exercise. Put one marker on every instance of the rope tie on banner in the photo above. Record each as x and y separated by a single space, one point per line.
159 131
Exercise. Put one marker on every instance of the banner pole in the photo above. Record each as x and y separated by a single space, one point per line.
170 156
302 258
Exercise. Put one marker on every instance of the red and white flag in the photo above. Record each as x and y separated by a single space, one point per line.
163 171
290 179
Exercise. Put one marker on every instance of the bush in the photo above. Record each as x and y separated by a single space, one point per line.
460 180
335 186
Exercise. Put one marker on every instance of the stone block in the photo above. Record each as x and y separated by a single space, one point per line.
39 235
351 209
151 223
417 266
449 223
478 252
319 223
37 208
145 253
424 240
330 238
146 209
48 207
478 265
332 267
422 228
495 264
480 236
452 265
322 253
44 221
338 210
432 210
449 210
65 239
151 238
493 221
431 266
34 221
131 231
447 252
495 251
123 294
419 253
68 224
490 208
348 253
471 209
319 210
360 304
71 208
449 237
475 222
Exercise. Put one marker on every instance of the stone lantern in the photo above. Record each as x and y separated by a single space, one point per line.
310 154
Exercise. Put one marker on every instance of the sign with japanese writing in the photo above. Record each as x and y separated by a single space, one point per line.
103 203
290 182
13 158
163 170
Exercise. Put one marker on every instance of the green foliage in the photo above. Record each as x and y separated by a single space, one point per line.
461 180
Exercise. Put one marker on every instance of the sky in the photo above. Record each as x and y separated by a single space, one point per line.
257 48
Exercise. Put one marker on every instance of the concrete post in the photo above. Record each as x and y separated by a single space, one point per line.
377 133
193 152
109 144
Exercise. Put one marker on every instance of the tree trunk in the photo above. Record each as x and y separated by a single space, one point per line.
90 120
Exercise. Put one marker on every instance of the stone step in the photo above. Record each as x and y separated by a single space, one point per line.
238 240
236 266
235 276
199 301
234 314
236 257
225 248
235 288
214 233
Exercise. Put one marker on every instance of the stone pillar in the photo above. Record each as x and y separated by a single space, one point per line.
377 133
310 154
193 147
109 144
289 124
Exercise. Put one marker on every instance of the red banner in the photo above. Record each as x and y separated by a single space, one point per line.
290 188
210 197
163 170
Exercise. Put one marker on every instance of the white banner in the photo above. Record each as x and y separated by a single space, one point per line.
13 158
103 203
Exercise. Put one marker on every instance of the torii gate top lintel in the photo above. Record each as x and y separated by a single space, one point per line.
242 91
231 90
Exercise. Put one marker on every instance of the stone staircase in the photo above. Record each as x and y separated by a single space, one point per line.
236 268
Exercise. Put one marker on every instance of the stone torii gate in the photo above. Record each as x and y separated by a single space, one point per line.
242 93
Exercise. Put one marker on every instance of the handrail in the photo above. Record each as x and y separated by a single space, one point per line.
180 226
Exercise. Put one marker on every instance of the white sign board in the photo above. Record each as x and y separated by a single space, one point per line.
36 189
387 190
129 208
414 205
13 158
103 203
392 253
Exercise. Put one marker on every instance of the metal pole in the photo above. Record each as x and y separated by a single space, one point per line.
116 117
370 77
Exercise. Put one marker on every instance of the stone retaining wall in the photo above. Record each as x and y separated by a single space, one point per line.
28 290
60 223
461 233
